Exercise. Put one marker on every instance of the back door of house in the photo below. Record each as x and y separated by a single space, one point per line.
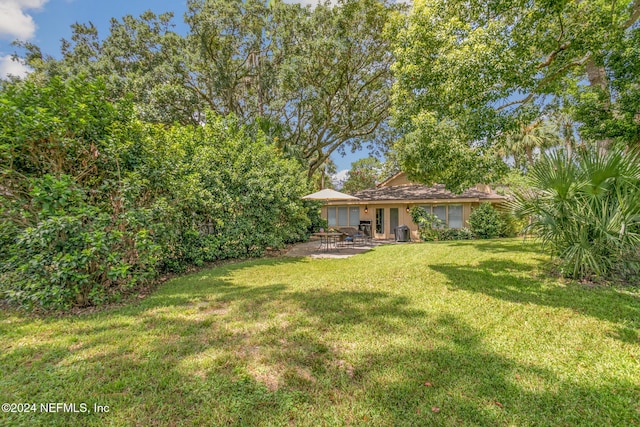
393 219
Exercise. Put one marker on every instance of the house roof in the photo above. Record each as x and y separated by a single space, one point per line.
391 178
422 192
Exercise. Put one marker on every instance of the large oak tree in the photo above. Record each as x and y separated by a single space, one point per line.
316 80
470 71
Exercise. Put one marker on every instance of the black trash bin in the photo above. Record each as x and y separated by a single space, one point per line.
403 234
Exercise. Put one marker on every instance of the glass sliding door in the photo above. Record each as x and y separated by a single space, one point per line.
393 219
380 221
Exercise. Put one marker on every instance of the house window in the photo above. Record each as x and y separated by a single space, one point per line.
441 213
331 217
455 216
342 216
354 216
380 221
451 215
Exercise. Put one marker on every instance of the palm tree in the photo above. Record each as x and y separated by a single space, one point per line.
566 131
586 209
528 141
322 176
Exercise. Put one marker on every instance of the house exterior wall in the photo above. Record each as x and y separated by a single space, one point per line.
404 217
399 179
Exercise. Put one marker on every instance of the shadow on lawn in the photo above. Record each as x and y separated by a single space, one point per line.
258 355
500 279
469 385
511 245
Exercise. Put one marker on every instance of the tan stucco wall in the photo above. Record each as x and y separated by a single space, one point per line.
466 212
404 218
400 179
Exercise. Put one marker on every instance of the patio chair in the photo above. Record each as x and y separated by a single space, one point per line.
364 234
348 238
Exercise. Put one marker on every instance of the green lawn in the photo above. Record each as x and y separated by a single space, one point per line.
460 333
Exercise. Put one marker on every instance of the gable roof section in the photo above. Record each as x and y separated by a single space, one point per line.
389 181
406 193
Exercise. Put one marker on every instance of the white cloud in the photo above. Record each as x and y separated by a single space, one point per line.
339 178
14 22
11 67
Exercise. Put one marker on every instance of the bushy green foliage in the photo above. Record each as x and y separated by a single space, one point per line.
455 234
314 214
317 80
431 228
231 195
71 234
428 223
93 201
364 174
469 73
614 118
485 221
510 224
586 209
76 252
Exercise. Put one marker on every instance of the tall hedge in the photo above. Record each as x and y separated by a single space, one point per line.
227 193
94 202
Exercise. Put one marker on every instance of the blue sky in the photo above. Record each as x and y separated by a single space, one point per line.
46 22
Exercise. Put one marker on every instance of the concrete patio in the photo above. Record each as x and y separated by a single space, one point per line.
312 249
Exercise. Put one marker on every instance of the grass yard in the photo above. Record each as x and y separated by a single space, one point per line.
459 333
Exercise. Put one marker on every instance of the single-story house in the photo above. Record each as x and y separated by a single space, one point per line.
387 206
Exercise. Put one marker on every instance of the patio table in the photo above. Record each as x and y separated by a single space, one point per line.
328 240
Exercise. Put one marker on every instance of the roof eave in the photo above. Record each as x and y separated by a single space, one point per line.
415 201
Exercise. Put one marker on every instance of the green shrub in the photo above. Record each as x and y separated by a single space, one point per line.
455 234
317 222
485 221
586 210
511 225
75 254
428 223
228 194
92 200
431 228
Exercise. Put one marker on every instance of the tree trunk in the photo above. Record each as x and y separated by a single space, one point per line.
567 132
569 146
598 79
529 152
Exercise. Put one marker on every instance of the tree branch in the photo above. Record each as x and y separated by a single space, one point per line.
518 102
553 55
546 80
635 15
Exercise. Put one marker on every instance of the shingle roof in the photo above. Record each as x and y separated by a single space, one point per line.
422 192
